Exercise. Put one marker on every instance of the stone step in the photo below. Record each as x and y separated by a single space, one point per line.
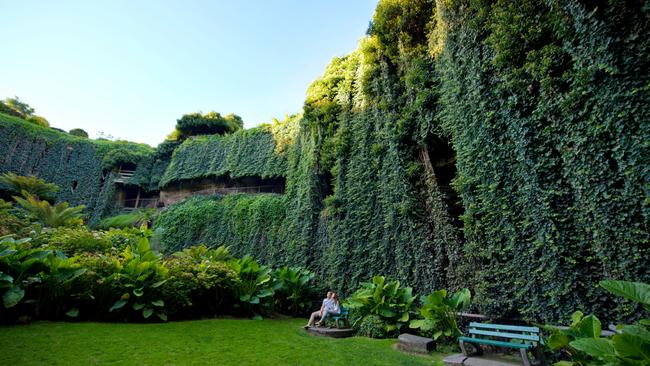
331 332
413 343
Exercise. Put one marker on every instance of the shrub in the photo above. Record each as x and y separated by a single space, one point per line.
373 326
17 184
38 120
385 299
122 238
75 240
10 223
78 132
198 288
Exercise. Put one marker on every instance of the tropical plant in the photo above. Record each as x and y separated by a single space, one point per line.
386 299
140 274
255 288
55 279
60 214
16 184
202 253
18 268
582 341
294 288
439 312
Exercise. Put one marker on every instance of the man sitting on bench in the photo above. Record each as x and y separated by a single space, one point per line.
318 315
333 308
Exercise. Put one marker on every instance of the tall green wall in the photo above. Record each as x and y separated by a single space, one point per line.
546 106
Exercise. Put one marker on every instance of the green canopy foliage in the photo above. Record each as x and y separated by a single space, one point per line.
211 123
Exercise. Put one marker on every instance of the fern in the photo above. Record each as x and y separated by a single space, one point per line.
57 215
34 186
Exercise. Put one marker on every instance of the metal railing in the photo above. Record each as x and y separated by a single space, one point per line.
228 190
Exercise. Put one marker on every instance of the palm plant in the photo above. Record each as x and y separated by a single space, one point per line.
16 184
57 215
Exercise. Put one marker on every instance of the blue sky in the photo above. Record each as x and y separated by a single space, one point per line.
131 68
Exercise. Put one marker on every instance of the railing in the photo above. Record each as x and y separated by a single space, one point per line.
133 204
124 175
228 190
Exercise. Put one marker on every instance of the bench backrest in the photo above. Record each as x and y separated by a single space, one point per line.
530 334
344 311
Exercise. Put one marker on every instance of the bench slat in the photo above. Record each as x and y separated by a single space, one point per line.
496 343
504 327
505 334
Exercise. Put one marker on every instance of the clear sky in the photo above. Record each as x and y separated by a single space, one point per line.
131 68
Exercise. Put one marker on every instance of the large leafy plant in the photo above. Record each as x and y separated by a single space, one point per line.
582 341
60 214
295 288
385 299
140 274
255 287
203 253
18 268
439 312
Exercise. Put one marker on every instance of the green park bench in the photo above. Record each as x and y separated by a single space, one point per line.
523 339
343 315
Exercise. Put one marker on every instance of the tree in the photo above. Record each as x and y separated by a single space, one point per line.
78 132
8 110
19 106
211 123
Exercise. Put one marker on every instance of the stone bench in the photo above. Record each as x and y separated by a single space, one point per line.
413 343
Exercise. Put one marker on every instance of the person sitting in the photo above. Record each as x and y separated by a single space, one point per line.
317 315
333 308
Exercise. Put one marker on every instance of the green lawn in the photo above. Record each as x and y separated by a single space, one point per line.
201 342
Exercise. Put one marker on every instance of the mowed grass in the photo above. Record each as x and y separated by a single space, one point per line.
201 342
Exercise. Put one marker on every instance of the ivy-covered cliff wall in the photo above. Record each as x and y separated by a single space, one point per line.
538 110
547 105
76 164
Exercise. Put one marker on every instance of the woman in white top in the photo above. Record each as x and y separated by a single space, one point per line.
333 307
